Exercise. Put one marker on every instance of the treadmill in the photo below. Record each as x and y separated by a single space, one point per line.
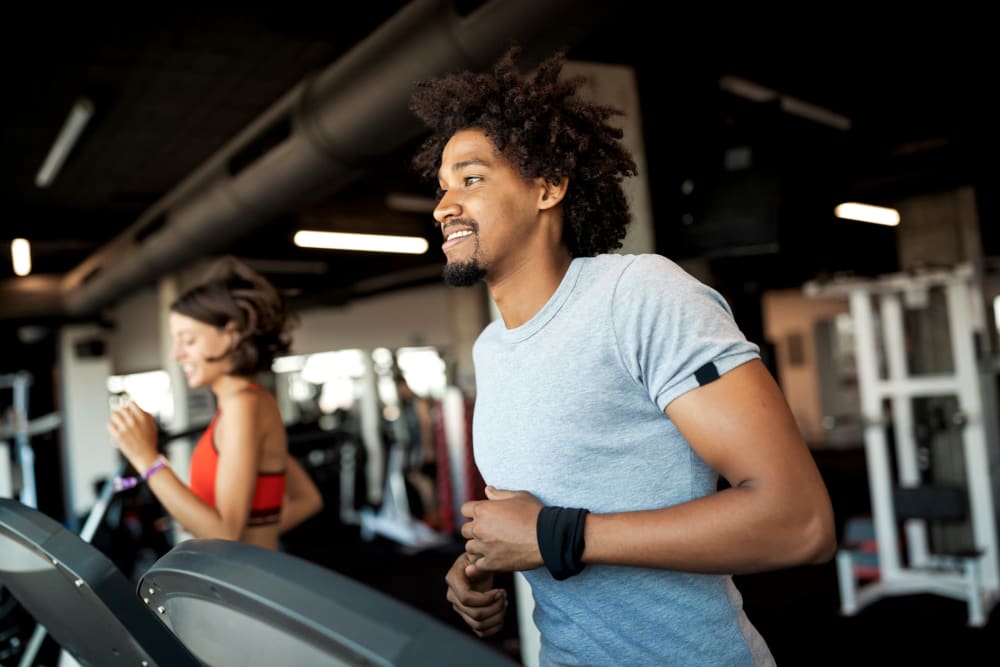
238 605
80 597
214 603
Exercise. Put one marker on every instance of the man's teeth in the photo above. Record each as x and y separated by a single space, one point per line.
458 234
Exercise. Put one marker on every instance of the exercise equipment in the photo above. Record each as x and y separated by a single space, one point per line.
90 526
335 458
394 518
217 603
21 429
928 385
237 604
79 596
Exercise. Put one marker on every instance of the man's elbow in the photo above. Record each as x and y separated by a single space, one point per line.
819 539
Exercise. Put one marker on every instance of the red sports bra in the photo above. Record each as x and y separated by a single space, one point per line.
268 493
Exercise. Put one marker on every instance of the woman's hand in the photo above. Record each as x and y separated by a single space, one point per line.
134 430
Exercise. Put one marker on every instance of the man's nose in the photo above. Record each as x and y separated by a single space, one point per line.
447 208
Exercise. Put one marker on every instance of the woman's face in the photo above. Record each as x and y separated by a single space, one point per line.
194 344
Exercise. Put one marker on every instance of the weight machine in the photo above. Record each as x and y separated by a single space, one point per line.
16 425
927 383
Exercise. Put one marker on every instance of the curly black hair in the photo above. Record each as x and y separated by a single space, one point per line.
542 128
233 293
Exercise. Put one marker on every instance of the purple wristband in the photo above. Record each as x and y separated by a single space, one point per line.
122 483
161 462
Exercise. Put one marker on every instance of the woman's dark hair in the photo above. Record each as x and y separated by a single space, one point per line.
234 293
543 129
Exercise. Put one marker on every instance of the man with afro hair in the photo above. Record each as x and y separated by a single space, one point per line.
610 396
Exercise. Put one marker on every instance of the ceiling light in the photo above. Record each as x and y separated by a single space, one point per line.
406 203
755 92
411 245
20 256
747 89
867 213
815 113
78 116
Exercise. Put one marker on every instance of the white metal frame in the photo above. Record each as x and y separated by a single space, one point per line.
21 429
973 579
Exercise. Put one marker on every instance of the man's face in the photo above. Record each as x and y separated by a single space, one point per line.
487 209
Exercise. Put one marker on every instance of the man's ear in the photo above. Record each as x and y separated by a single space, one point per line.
552 193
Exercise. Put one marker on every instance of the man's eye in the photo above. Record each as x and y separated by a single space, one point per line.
439 194
471 180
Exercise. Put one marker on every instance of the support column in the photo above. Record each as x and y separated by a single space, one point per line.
89 455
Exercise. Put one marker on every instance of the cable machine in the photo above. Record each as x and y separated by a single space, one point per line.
928 388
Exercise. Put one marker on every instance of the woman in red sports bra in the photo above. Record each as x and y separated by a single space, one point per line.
243 484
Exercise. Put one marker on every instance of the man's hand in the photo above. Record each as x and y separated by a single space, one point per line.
502 534
472 595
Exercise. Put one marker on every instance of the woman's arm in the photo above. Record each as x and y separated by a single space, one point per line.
302 498
239 438
135 432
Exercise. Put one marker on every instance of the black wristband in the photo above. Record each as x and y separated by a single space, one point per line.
559 531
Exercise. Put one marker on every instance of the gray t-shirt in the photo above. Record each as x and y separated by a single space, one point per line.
569 406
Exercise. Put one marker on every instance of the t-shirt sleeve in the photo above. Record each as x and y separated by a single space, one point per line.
674 332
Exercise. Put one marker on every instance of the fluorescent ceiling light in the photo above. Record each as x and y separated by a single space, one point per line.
20 255
81 112
755 92
867 213
406 203
814 112
747 89
411 245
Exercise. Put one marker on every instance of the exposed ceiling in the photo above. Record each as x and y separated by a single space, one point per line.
171 90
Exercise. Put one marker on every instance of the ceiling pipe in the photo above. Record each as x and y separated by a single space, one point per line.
351 112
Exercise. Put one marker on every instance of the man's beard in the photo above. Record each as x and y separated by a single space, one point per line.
468 273
463 274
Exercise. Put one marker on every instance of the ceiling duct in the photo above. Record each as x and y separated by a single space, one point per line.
340 118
